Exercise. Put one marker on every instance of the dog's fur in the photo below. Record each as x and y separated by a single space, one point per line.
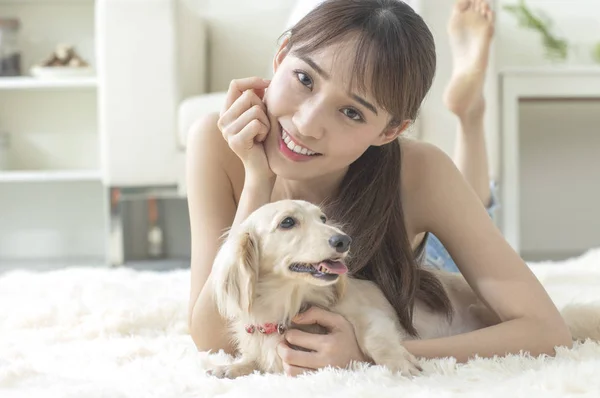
254 285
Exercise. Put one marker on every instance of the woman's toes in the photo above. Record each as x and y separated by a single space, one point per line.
485 9
462 5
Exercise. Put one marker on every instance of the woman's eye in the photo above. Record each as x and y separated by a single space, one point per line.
304 79
324 219
287 223
352 114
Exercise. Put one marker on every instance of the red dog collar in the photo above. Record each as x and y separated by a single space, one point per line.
266 328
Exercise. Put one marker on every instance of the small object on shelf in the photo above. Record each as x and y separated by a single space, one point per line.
116 250
63 62
4 146
10 55
155 233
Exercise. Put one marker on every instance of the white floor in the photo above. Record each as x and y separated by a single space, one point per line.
49 265
102 332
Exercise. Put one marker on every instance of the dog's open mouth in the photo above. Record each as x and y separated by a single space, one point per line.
326 270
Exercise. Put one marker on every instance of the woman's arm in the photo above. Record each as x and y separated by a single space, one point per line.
216 145
443 203
212 211
522 334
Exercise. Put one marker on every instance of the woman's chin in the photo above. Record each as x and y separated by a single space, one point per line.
287 171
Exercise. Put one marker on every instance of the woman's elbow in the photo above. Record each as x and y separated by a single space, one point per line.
213 338
557 334
201 343
563 337
200 336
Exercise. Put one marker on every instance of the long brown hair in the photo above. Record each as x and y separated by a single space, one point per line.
395 48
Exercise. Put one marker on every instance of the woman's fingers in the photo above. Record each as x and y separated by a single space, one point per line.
244 123
297 358
246 101
309 341
244 140
255 112
238 87
329 320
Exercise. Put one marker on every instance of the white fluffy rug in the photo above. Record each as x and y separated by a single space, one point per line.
85 332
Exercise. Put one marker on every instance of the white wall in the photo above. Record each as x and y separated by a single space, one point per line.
560 178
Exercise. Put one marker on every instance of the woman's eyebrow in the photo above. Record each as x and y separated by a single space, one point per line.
365 103
316 67
326 76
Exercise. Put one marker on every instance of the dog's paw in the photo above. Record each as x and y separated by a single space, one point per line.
402 362
231 371
222 372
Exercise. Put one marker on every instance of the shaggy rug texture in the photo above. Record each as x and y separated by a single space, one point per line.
90 332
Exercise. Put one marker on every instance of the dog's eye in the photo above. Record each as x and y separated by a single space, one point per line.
324 219
287 223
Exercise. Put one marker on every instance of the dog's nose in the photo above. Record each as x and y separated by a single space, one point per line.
341 243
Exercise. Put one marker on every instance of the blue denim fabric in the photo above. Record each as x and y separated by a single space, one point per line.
437 256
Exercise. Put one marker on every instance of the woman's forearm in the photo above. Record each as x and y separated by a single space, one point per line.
256 193
511 337
208 329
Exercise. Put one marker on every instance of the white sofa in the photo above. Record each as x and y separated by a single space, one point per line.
164 63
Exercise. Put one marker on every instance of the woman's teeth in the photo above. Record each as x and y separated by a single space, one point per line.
295 147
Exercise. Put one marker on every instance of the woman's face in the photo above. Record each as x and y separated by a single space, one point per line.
313 109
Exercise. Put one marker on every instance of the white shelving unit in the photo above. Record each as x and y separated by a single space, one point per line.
50 176
52 201
31 83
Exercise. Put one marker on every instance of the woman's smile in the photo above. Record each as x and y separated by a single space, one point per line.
292 149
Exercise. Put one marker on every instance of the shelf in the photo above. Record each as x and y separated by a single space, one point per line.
30 83
44 2
50 176
556 70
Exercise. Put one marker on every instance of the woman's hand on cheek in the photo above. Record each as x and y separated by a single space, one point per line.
338 348
244 123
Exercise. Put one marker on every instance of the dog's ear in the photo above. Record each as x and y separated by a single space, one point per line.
236 267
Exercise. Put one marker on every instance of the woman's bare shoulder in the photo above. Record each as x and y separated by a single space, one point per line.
417 154
424 167
206 141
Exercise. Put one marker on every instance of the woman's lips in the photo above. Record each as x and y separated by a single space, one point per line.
300 153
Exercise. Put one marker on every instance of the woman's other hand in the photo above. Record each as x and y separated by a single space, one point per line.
337 348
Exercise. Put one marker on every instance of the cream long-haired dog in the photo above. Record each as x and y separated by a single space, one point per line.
284 257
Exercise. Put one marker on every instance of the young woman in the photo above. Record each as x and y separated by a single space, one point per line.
348 80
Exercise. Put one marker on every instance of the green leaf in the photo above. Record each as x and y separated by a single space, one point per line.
596 52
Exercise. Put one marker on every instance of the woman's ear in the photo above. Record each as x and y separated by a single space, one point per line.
392 132
236 274
281 53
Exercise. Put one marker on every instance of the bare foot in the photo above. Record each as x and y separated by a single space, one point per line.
471 28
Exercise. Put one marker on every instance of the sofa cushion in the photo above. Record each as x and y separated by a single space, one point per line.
193 108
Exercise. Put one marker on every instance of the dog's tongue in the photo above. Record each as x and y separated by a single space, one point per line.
334 267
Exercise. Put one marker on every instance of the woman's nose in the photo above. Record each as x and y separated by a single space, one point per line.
308 120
